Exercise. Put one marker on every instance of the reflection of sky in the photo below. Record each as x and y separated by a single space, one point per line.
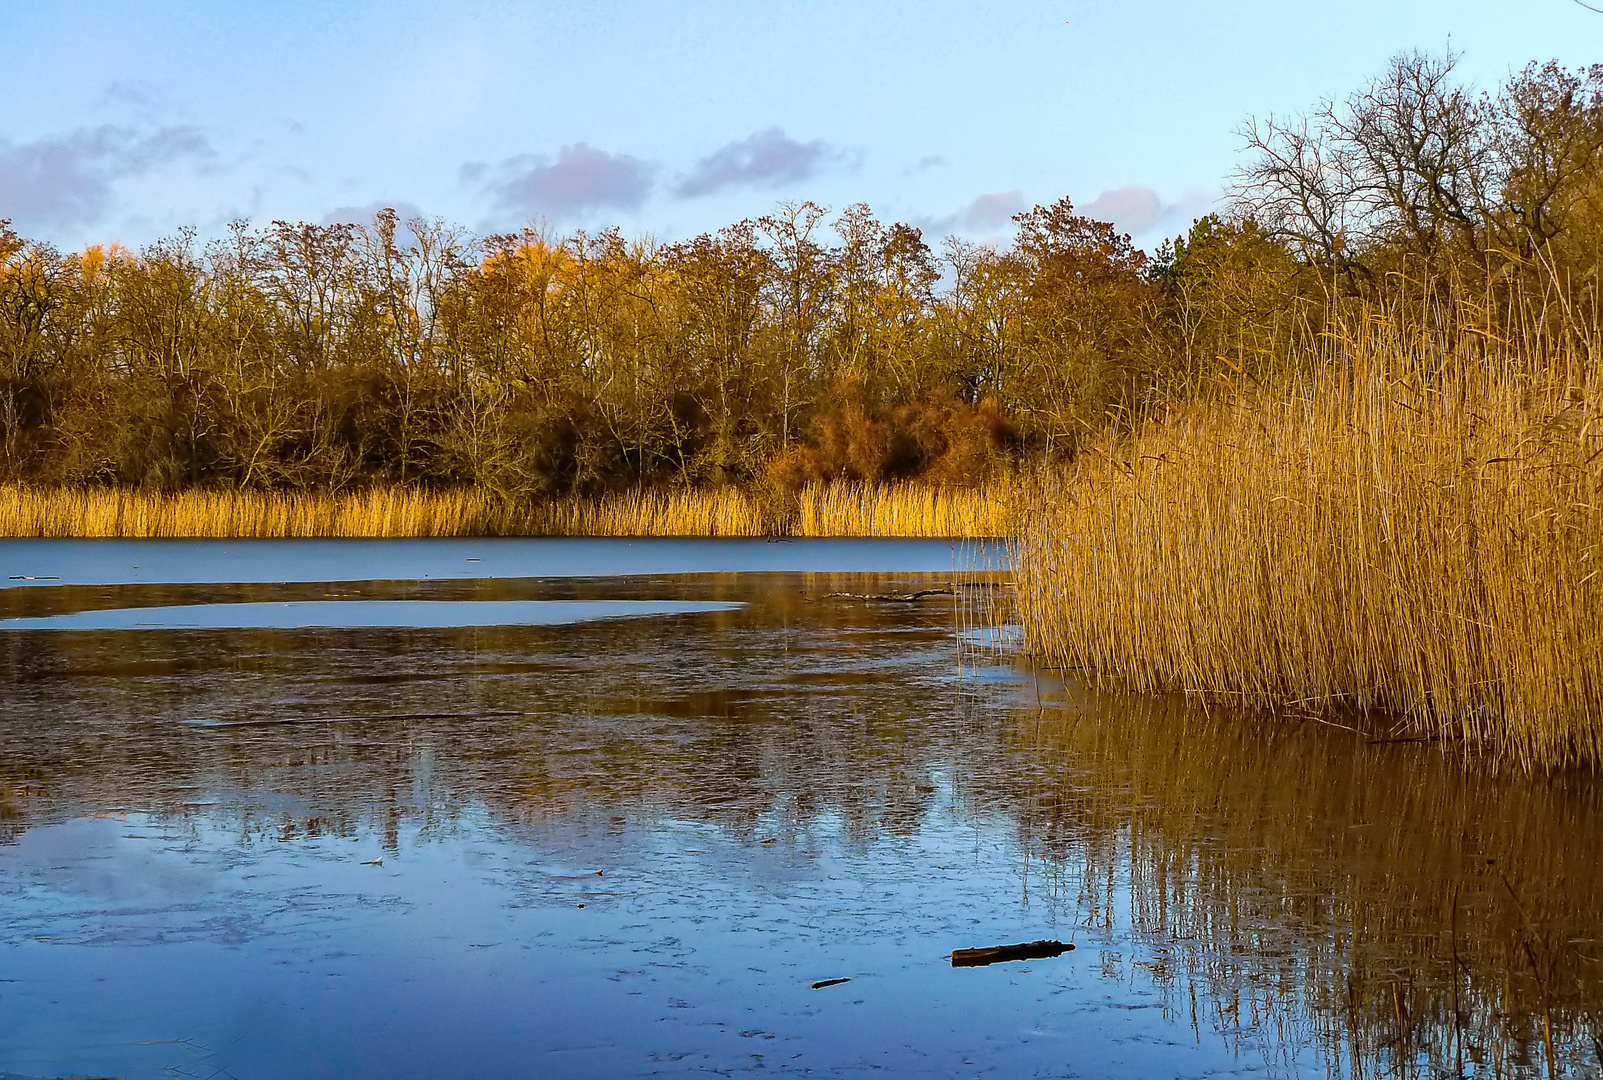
127 121
138 944
46 563
770 793
187 817
347 614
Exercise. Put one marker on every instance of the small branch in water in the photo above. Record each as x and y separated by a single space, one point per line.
997 954
1332 723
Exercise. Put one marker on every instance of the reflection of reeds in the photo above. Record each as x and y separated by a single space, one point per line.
1310 888
839 509
1406 531
983 611
1381 901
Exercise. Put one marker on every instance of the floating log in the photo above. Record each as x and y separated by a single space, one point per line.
996 954
821 983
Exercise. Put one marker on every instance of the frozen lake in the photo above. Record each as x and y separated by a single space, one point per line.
612 808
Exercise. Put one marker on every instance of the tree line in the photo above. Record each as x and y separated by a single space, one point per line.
801 345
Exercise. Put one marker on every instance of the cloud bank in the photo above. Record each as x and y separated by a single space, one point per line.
66 181
1140 210
579 180
765 159
987 214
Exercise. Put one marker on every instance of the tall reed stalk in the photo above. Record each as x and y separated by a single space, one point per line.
1407 531
838 509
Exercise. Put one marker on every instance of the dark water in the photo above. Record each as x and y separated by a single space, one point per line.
615 841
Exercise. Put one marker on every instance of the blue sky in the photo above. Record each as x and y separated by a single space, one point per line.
126 120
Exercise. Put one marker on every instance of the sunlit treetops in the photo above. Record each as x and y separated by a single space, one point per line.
296 355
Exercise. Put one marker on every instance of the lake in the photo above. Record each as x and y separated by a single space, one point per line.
601 808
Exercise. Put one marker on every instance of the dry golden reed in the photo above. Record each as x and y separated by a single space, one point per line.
838 509
1410 534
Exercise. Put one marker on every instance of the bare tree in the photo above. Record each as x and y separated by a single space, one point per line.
1408 163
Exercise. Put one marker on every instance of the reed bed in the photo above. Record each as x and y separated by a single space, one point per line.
903 510
1405 532
839 509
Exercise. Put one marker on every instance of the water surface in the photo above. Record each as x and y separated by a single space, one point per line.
360 614
162 562
631 846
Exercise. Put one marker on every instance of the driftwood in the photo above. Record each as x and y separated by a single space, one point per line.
1029 950
821 983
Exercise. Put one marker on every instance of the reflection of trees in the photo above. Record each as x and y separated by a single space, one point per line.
1390 904
757 720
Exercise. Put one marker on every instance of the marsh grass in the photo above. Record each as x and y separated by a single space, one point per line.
838 509
1405 532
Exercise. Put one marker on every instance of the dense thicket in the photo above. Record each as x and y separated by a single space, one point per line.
797 346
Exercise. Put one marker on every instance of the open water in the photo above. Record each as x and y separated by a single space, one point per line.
613 808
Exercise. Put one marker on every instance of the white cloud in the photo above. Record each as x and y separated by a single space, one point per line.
580 179
66 181
765 159
993 211
987 214
1140 210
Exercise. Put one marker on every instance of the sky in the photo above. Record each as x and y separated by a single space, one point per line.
125 121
